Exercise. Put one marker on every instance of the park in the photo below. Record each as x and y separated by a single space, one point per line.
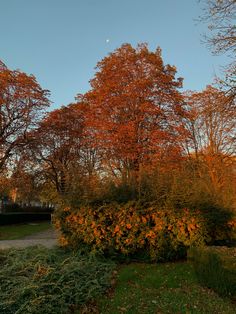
123 200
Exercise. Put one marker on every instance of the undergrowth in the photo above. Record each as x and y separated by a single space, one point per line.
38 280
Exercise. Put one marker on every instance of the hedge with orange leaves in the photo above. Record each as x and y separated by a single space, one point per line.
161 234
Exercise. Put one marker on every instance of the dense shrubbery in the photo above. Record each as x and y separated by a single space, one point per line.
38 280
133 228
215 268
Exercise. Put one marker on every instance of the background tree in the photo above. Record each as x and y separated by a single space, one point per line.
56 143
61 148
22 103
5 185
26 181
221 16
212 122
212 142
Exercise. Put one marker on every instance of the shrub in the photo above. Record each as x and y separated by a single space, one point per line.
221 224
215 268
38 280
128 229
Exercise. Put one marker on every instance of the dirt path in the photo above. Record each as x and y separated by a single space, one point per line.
47 238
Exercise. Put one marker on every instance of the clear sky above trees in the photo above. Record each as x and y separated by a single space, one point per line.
60 41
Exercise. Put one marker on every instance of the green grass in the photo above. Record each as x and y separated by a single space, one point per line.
161 288
13 232
38 280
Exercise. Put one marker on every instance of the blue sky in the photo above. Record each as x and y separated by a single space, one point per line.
60 41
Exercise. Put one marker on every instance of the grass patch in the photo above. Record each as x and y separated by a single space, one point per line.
13 232
39 280
161 288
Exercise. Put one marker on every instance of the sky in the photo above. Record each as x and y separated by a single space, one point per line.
61 41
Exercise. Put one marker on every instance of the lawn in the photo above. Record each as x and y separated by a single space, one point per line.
161 288
13 232
39 280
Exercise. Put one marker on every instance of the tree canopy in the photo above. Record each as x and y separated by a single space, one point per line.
221 16
135 109
22 103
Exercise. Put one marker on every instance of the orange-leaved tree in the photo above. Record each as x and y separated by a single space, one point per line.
212 129
135 110
62 147
22 102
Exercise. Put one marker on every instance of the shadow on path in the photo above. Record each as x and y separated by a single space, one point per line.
47 238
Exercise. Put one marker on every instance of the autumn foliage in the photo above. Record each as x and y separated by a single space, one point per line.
131 228
22 103
135 110
57 144
132 137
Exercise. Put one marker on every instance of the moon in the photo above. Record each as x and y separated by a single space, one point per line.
107 40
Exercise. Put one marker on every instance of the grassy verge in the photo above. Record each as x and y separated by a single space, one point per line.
39 280
161 288
12 232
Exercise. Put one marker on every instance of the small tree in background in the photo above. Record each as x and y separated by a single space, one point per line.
61 148
22 104
212 145
220 16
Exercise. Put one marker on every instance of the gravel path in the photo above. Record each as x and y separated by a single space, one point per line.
47 238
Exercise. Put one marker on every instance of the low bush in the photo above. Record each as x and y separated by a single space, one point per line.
133 229
38 280
220 223
215 268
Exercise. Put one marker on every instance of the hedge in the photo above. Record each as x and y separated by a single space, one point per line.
15 218
13 208
215 268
